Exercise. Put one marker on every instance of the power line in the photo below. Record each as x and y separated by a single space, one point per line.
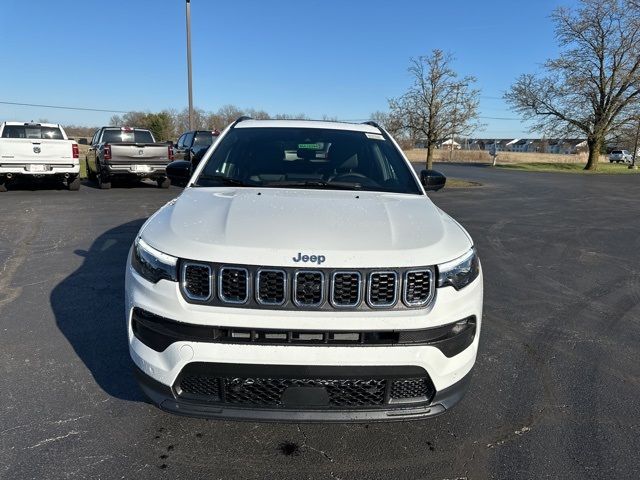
87 109
61 107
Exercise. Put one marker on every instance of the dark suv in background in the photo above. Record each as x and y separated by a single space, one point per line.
192 146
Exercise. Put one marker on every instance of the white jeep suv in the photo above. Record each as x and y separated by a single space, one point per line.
304 275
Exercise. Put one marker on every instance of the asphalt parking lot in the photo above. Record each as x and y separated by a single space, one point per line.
555 393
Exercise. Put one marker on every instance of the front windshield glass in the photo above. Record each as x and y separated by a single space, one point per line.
308 158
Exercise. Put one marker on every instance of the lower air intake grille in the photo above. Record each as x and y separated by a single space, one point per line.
411 388
233 286
196 281
268 392
308 288
417 287
383 287
271 287
200 386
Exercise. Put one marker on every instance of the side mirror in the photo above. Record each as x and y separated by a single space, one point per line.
432 180
179 172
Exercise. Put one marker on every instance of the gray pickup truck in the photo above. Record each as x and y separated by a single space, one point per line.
127 152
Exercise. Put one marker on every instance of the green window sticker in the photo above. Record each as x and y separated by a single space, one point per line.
310 146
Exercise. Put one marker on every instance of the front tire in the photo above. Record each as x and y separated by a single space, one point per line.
164 182
3 186
90 175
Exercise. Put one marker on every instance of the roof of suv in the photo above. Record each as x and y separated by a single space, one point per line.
355 127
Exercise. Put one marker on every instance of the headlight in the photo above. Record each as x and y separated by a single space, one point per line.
153 264
460 272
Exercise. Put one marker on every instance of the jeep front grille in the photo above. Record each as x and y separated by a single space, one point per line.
287 288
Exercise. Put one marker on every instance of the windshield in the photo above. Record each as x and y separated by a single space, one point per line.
117 135
32 131
308 158
203 139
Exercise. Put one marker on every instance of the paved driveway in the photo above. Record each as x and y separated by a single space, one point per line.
555 390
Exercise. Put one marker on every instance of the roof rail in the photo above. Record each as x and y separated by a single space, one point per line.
241 119
373 124
383 132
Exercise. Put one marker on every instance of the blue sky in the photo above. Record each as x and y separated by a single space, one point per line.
339 58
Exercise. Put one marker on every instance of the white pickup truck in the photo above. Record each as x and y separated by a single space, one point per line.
37 150
127 152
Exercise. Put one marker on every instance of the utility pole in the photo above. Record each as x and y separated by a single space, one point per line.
188 13
454 120
635 149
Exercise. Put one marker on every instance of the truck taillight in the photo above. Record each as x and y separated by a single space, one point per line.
106 152
170 152
75 151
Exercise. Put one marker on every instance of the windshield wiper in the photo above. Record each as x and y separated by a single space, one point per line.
315 184
222 180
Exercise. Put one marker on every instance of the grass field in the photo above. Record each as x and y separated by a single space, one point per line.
481 156
83 149
459 183
607 168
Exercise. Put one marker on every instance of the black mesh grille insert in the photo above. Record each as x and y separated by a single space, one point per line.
417 287
309 288
200 386
382 289
411 388
269 391
197 281
271 287
346 289
233 285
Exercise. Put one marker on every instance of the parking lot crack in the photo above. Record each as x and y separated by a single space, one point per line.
306 444
54 439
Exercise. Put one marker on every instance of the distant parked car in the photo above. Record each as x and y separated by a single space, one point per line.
127 152
620 156
37 151
192 146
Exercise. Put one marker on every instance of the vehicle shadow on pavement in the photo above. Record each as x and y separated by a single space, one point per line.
89 310
121 183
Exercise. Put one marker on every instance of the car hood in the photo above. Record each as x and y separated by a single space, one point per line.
272 227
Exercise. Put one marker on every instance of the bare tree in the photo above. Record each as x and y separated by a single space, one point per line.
593 87
438 105
394 126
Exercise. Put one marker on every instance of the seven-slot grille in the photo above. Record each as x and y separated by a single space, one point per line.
308 288
196 281
289 288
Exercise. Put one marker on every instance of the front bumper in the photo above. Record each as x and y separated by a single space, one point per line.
159 369
166 399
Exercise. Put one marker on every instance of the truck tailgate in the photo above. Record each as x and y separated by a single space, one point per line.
139 153
25 150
